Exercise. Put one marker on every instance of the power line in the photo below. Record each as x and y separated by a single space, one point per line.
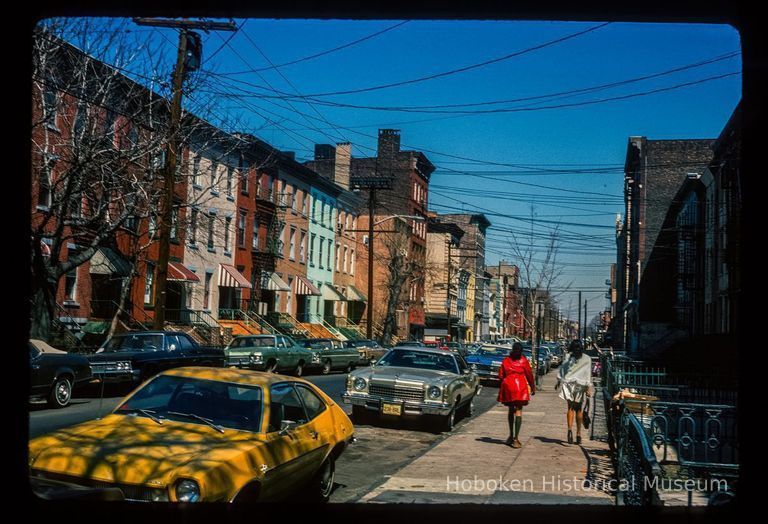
465 68
317 55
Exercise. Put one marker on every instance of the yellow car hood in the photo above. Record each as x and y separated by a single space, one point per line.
136 450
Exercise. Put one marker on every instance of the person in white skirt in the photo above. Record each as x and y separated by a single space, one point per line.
575 376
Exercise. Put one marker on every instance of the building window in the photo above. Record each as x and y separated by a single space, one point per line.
80 120
330 254
312 249
314 209
352 262
281 241
227 226
149 283
44 183
304 203
70 281
293 199
302 247
320 258
346 222
110 128
174 222
241 229
214 178
337 257
292 244
354 227
50 104
211 219
207 291
193 227
244 176
255 241
344 266
196 170
230 173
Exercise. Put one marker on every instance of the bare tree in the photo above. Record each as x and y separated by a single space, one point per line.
99 136
402 270
537 275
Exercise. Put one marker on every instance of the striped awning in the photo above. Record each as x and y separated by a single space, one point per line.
271 281
305 287
177 272
229 276
330 293
354 295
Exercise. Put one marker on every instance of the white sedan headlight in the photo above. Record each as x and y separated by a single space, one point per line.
359 384
315 358
187 491
435 393
123 366
257 357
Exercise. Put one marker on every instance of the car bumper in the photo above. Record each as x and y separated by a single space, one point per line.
409 408
245 363
56 490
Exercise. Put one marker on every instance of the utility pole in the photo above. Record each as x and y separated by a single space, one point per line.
448 292
171 159
578 308
503 285
369 309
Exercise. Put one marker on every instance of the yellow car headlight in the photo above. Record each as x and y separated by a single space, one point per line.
187 491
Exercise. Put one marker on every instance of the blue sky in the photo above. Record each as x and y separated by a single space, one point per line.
582 138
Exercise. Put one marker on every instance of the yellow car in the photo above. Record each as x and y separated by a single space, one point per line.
203 434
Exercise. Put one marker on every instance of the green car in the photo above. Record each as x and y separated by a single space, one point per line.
330 354
272 353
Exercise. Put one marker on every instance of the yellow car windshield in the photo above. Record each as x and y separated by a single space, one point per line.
197 401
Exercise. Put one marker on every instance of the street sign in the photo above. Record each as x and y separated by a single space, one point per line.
370 182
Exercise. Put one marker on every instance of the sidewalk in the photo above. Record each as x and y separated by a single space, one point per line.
475 466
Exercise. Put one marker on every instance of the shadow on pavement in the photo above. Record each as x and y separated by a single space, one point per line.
553 441
489 440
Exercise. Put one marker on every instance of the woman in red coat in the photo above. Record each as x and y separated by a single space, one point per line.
516 378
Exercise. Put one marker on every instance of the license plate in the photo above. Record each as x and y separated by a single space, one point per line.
391 409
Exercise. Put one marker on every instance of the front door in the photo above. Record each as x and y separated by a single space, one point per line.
174 301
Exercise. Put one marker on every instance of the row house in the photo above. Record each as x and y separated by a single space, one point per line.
471 256
654 171
504 280
334 163
409 173
697 307
442 281
94 246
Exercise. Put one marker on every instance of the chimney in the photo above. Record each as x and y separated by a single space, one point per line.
389 145
342 163
325 157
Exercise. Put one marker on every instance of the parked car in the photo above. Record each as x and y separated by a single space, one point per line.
542 368
329 354
458 347
271 353
201 434
54 374
369 350
414 382
138 355
486 361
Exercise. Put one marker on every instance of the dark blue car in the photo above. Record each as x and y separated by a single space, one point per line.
486 361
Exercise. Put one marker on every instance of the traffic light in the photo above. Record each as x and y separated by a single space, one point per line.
194 54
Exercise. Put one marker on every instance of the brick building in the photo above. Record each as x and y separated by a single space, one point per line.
409 173
654 171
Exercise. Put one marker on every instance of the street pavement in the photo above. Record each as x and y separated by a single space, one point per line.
474 465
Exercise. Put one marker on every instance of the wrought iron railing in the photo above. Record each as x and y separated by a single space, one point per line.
668 425
110 307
